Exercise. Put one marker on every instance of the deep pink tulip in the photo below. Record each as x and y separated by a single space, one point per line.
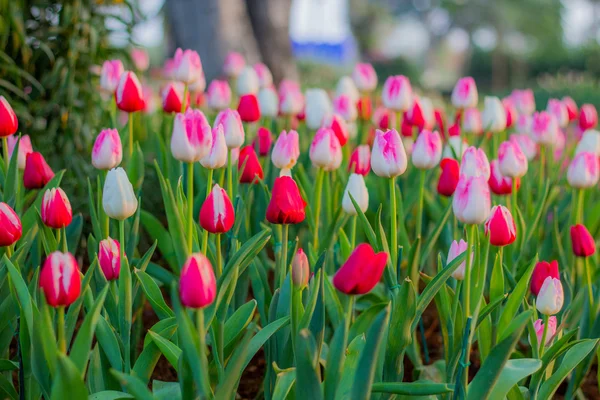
500 227
286 205
109 258
216 214
361 271
10 226
129 94
56 209
197 283
60 280
582 241
37 172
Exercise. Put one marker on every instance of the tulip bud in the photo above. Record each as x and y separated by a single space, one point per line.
471 201
300 270
346 87
286 150
582 241
109 258
456 249
524 101
397 93
449 177
56 209
318 107
357 188
232 127
388 157
550 298
24 148
360 160
583 171
248 108
140 59
268 102
455 146
10 226
544 128
590 142
234 64
217 156
464 94
557 109
345 107
500 227
543 270
325 150
493 117
60 280
252 170
172 97
339 127
471 121
364 77
187 67
500 184
361 271
510 111
427 151
118 199
37 173
475 163
286 205
263 141
129 95
511 159
528 146
263 73
218 95
110 74
107 152
247 82
216 214
191 139
539 330
588 117
197 283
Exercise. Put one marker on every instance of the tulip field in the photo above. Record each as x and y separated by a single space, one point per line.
365 241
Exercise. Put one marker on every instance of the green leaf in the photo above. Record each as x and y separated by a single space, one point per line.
262 336
110 395
235 367
68 383
161 236
167 348
401 331
559 347
239 321
154 295
335 360
349 370
419 388
308 385
284 383
133 384
366 226
313 296
512 373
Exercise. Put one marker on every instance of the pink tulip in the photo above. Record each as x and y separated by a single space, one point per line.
109 258
397 93
129 95
427 150
197 283
500 184
364 77
37 172
471 202
338 125
24 149
107 152
325 150
249 108
234 64
291 100
286 150
216 214
110 75
263 141
588 117
361 271
172 97
56 209
526 144
500 227
475 163
191 139
60 280
544 128
524 101
344 106
456 249
360 160
464 94
10 226
538 325
471 121
388 157
232 127
187 67
217 156
218 96
558 109
511 159
571 106
300 270
584 171
263 73
140 59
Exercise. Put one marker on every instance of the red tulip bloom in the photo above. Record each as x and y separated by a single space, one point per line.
8 119
248 108
588 117
500 184
454 130
129 95
197 283
56 209
286 205
10 225
500 227
37 172
216 214
60 280
263 141
449 177
172 97
360 160
361 272
252 168
406 129
543 270
571 106
582 241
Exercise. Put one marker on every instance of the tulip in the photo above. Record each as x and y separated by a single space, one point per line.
428 112
263 73
247 82
191 139
110 75
345 107
384 119
263 141
129 93
388 157
397 93
427 151
300 270
527 145
475 163
286 150
471 201
109 258
471 121
538 325
361 271
364 77
590 142
544 128
558 109
571 106
524 101
584 171
286 205
187 67
339 127
198 86
325 150
107 152
360 160
364 108
216 214
543 270
118 199
197 283
551 297
455 147
500 184
582 241
232 127
511 159
456 249
37 173
24 148
500 227
56 210
510 111
464 94
449 177
217 156
268 102
60 280
172 97
248 108
291 100
318 107
218 96
493 117
346 87
234 64
140 59
252 169
357 188
588 117
415 115
10 226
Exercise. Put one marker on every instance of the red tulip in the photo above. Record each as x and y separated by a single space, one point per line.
406 129
500 184
172 97
10 225
197 284
37 172
361 272
572 111
216 214
109 258
60 280
248 108
500 226
360 160
252 168
263 141
543 270
56 209
582 241
337 124
129 95
8 119
588 117
449 177
286 205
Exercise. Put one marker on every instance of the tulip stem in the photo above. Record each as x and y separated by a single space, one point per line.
542 168
349 310
185 94
544 334
514 197
190 209
421 195
5 151
467 298
283 255
317 202
105 219
579 207
60 329
219 270
65 245
393 220
130 123
124 299
113 112
588 273
353 237
229 175
209 179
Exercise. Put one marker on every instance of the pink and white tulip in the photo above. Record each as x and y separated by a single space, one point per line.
217 156
524 101
263 73
191 139
234 64
455 147
360 160
286 150
397 93
511 159
471 202
588 117
427 150
590 142
364 77
10 226
346 87
493 117
388 157
456 249
527 145
500 227
464 94
475 163
218 96
232 127
107 152
584 171
216 214
471 121
551 297
25 148
60 280
110 74
247 82
187 67
56 209
325 150
544 128
109 258
550 332
129 94
345 107
558 109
